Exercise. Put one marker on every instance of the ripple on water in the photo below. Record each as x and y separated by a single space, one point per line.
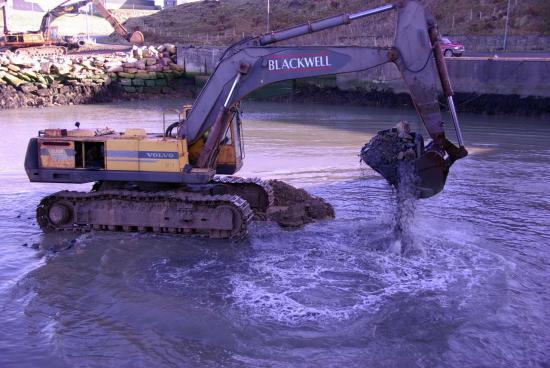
332 294
348 276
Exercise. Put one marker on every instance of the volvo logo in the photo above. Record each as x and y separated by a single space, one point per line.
158 155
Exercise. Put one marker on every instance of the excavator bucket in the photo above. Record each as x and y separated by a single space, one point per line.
431 172
137 38
400 157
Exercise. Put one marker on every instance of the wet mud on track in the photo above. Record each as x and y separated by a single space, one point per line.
333 293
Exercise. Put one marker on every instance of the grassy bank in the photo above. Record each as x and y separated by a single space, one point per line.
229 20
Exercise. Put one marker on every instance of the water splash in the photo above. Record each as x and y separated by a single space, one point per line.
405 207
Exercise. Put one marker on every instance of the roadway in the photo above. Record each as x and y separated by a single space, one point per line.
535 54
511 55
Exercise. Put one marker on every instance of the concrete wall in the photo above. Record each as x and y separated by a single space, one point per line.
468 75
170 3
521 77
25 5
199 60
524 77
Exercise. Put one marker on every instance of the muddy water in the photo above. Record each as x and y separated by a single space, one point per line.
335 293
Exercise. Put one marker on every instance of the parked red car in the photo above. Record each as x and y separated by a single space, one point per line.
451 48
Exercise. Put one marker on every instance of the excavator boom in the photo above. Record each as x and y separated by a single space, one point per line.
134 38
72 8
4 10
57 12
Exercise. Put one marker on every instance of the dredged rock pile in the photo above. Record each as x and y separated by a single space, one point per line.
393 150
294 207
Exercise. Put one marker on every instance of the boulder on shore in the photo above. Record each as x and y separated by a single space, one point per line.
41 81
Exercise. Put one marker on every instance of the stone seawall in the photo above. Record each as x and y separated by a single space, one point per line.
37 82
56 94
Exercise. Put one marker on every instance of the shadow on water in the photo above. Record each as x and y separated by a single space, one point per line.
157 298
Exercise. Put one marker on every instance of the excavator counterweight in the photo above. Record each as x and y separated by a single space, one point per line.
169 177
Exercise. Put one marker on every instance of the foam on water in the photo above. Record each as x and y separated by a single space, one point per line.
345 279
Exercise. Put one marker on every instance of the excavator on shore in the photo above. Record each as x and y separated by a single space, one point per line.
167 182
40 43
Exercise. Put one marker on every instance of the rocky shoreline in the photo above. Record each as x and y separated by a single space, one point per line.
67 80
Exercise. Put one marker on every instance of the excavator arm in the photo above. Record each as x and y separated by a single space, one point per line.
72 8
252 64
4 10
58 11
134 38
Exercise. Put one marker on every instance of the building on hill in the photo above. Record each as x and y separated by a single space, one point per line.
45 5
130 4
170 3
25 5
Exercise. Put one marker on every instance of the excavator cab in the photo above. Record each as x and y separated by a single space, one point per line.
231 151
230 155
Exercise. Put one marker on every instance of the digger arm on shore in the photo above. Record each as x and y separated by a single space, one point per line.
58 11
4 10
72 8
252 64
134 38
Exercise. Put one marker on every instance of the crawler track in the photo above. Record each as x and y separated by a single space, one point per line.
172 211
42 51
258 193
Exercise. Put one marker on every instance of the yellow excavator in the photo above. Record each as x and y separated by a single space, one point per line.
40 43
175 181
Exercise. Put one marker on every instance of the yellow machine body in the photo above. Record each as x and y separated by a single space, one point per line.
121 152
24 39
146 154
133 150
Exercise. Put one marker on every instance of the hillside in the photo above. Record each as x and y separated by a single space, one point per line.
226 21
